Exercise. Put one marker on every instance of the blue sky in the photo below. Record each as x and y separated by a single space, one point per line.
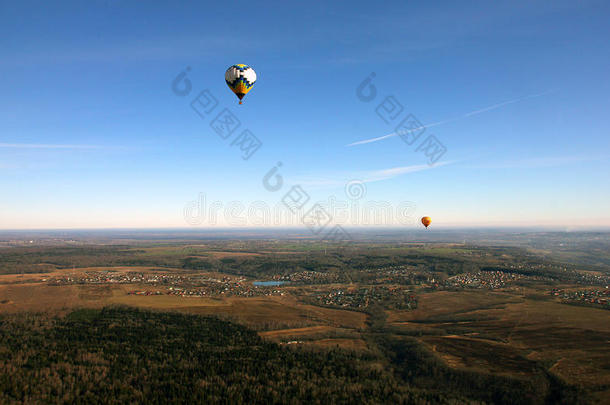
91 134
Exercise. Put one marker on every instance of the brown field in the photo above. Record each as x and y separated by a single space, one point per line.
44 298
260 312
296 331
497 332
38 277
221 255
191 251
446 303
318 336
480 355
501 333
350 344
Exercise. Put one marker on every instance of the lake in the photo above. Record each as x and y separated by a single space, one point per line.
269 283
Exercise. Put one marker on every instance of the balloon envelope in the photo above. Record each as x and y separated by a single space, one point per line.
240 78
426 221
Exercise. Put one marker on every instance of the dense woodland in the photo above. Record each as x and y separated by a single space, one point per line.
119 355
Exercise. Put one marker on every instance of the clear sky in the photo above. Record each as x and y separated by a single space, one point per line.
92 135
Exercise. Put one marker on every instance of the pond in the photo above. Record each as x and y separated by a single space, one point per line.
269 283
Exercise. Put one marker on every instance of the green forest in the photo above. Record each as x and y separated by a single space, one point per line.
121 355
126 355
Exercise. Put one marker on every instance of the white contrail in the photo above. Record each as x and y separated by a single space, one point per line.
385 174
46 146
395 134
470 114
339 179
493 107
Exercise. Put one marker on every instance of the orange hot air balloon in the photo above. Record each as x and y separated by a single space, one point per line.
426 221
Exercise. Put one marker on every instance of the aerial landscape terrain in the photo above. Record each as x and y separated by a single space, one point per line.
278 316
276 202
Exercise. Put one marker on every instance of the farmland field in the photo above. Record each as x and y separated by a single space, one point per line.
436 320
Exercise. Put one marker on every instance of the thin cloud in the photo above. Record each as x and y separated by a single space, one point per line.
395 134
46 146
469 114
340 179
386 174
502 104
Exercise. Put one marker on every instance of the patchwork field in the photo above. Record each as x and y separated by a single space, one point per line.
493 327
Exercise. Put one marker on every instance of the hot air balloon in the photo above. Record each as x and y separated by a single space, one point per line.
240 79
426 221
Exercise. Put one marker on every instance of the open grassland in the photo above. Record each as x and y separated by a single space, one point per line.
357 345
504 333
260 312
189 250
435 305
480 355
